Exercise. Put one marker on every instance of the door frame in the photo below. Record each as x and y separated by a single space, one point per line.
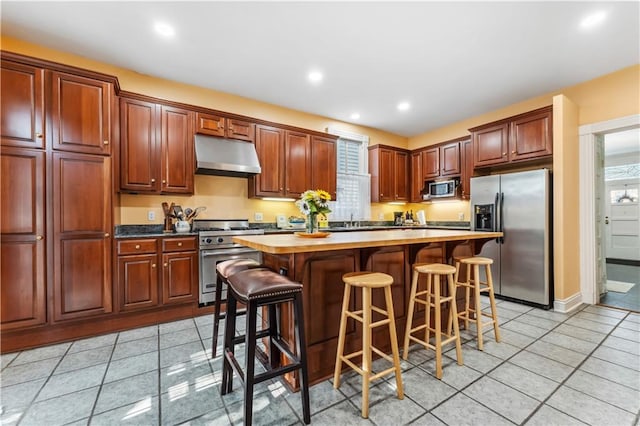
588 257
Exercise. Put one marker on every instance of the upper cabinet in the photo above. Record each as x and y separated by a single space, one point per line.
524 137
80 114
22 105
270 149
466 172
217 125
431 163
389 168
156 148
323 164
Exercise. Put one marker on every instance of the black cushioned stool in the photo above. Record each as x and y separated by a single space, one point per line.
223 271
256 288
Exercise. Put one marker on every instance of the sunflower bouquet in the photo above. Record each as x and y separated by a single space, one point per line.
312 203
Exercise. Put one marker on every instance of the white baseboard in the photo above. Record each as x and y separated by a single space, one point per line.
569 304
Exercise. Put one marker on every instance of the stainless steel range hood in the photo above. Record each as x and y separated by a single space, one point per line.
225 157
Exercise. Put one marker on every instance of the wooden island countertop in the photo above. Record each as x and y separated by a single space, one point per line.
292 243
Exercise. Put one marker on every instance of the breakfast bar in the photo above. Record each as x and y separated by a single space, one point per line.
320 263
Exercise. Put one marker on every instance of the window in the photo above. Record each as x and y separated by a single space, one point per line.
353 182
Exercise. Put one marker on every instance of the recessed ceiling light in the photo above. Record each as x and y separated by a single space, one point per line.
404 106
315 76
593 20
355 116
164 29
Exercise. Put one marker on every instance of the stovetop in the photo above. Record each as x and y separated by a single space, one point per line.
221 225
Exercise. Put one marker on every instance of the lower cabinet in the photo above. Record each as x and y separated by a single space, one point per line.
154 271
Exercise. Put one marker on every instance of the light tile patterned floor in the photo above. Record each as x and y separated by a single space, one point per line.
550 369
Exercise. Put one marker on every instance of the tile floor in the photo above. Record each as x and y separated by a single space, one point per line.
628 274
550 369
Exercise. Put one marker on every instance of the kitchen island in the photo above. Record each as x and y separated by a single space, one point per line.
319 263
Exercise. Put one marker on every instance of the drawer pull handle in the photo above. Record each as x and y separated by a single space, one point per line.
106 142
179 244
137 246
106 234
153 265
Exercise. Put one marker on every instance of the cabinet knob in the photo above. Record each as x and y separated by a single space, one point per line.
164 181
280 188
153 265
137 246
179 244
39 135
153 181
219 124
166 264
230 127
513 152
504 153
106 234
106 142
39 237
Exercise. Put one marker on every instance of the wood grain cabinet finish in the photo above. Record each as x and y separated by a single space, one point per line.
156 148
224 127
270 149
430 163
450 159
297 163
180 277
80 114
323 164
466 162
389 168
22 120
22 242
137 273
81 235
523 137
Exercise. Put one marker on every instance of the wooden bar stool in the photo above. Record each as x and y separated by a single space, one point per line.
433 299
223 271
473 282
368 281
257 288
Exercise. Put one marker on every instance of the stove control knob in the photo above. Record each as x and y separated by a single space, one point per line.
220 239
207 240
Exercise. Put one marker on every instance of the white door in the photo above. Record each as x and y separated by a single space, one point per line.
623 219
600 231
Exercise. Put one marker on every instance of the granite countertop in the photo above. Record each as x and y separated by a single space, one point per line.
147 231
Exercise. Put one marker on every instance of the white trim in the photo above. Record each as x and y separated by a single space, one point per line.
587 157
567 305
349 135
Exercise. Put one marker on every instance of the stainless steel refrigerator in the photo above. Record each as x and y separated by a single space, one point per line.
519 205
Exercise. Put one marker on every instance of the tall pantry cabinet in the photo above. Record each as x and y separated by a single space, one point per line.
56 191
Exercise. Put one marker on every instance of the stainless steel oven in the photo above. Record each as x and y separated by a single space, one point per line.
216 246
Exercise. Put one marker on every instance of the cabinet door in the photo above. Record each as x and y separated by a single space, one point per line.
490 145
138 281
139 146
22 105
531 137
297 152
323 164
387 175
417 180
240 129
209 124
466 158
431 163
178 166
81 235
450 159
22 245
80 114
401 176
180 277
270 148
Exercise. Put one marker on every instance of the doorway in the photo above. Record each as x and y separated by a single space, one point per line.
620 284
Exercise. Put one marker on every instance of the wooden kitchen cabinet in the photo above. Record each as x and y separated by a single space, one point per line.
22 120
225 127
156 148
80 114
450 159
466 162
22 243
389 168
523 137
297 163
137 273
179 270
430 163
323 164
270 149
81 237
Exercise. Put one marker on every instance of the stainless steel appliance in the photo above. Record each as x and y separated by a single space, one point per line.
216 246
441 189
519 205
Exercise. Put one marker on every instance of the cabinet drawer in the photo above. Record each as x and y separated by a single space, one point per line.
178 244
137 246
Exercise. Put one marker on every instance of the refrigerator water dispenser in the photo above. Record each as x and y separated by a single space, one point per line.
484 219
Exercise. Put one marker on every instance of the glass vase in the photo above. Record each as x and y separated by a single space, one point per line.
312 223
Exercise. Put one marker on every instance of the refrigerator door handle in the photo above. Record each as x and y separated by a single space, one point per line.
502 217
497 219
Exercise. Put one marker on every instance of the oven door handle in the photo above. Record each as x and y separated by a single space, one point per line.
226 252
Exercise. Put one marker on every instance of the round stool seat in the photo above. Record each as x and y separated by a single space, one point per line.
368 279
477 260
434 268
259 283
233 266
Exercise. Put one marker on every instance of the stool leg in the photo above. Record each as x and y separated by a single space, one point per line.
438 327
467 297
453 315
394 341
250 355
274 352
229 334
302 353
412 298
341 335
216 315
366 349
476 288
427 311
492 300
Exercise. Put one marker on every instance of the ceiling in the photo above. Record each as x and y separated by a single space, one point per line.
448 60
623 142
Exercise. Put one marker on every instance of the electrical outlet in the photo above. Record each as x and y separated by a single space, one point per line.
380 216
151 215
460 216
258 216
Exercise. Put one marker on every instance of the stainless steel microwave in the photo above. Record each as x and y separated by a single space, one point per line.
441 189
